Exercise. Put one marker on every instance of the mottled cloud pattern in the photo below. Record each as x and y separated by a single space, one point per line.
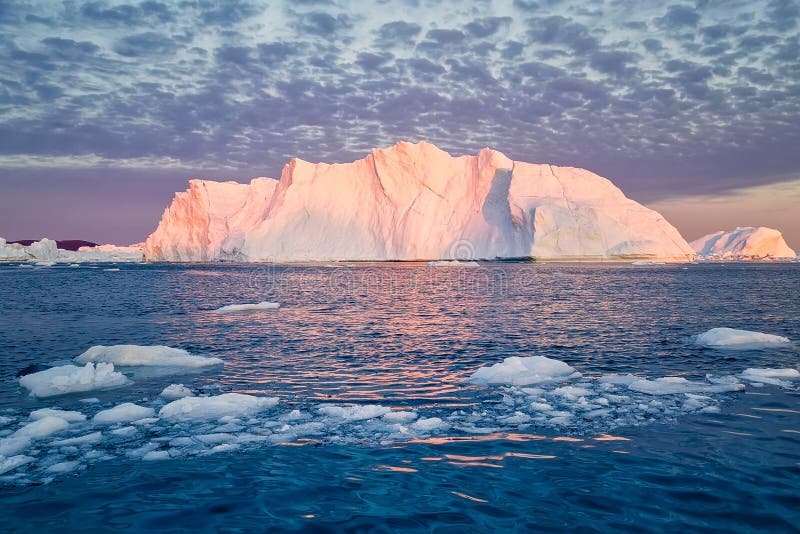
666 99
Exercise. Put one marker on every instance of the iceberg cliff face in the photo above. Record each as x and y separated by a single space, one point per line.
743 243
413 202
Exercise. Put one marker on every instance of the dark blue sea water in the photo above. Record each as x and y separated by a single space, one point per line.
408 336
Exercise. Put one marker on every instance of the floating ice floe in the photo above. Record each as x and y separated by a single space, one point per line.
671 385
138 355
355 413
69 416
176 391
73 379
252 307
227 404
776 377
733 339
124 413
644 263
519 371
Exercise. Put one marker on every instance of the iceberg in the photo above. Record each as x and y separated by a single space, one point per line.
138 355
519 371
413 201
743 243
733 339
73 379
46 252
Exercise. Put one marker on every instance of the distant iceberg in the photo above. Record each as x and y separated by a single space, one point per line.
743 243
733 339
46 251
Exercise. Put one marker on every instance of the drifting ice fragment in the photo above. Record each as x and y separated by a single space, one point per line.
242 308
123 413
518 371
227 404
73 379
733 339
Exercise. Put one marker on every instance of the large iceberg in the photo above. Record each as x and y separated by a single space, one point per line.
413 201
743 243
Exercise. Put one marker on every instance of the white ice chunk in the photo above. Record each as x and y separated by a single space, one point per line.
621 380
777 377
86 439
671 385
233 404
63 467
519 371
732 339
355 413
427 424
138 355
400 416
11 463
251 307
123 413
73 379
69 416
41 428
573 393
154 456
176 391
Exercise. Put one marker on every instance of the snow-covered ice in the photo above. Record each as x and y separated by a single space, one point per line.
252 307
523 371
176 391
138 355
670 385
355 413
777 377
73 379
227 404
123 413
66 415
733 339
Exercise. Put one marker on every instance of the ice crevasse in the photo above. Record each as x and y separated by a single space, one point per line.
413 201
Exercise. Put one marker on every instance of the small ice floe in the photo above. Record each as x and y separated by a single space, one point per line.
73 379
44 263
733 339
524 371
453 263
227 404
176 391
126 412
73 265
776 377
670 385
111 269
251 307
138 355
355 413
69 416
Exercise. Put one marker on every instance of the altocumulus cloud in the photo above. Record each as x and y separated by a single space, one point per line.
690 96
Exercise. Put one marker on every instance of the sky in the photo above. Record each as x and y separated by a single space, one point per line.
107 108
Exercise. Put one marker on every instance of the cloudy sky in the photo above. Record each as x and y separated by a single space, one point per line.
107 108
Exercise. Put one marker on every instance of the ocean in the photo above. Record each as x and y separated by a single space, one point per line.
378 424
